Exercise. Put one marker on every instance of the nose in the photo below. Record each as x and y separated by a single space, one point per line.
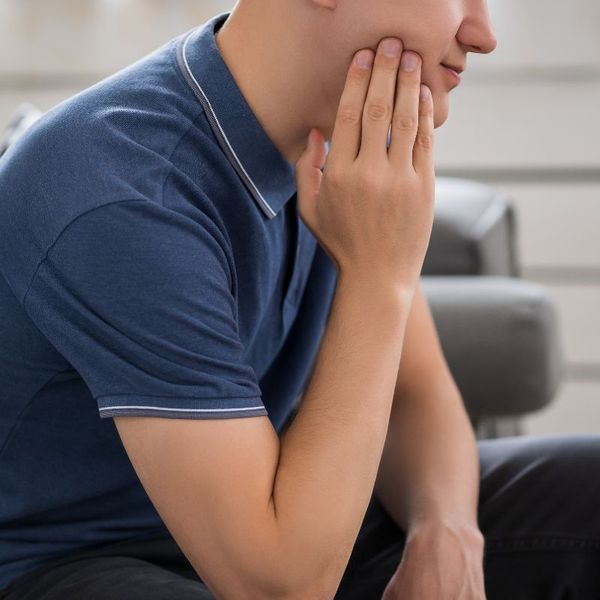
477 32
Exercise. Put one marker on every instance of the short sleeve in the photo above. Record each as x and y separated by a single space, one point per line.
138 298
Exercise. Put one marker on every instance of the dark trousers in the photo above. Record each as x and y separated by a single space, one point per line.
539 511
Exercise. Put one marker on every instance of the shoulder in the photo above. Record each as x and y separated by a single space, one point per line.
110 143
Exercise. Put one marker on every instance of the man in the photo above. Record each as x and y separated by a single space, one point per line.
165 305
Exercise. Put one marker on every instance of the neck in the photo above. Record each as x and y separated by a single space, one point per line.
281 72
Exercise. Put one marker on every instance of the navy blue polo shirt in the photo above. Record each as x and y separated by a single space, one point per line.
153 263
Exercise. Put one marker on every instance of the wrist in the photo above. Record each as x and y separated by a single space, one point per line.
376 287
451 530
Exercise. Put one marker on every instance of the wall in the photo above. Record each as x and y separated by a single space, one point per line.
527 119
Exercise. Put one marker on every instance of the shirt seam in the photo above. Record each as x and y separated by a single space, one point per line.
63 230
193 122
24 409
170 157
184 86
178 397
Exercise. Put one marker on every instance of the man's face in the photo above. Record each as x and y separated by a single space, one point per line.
441 31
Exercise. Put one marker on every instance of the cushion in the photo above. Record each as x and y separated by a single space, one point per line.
24 116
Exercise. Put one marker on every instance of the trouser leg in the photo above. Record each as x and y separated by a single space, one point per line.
539 511
153 569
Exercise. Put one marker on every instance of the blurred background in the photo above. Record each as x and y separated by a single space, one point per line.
525 120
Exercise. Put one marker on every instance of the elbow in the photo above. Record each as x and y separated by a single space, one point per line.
289 569
312 593
319 588
287 584
278 586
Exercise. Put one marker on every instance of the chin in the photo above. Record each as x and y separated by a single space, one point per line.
440 109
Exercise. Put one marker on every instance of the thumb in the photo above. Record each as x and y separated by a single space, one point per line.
308 174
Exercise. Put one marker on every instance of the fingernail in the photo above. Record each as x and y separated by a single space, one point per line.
409 61
364 59
391 47
425 93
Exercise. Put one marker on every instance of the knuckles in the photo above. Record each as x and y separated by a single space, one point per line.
381 181
377 110
335 177
404 122
377 181
425 140
372 178
350 115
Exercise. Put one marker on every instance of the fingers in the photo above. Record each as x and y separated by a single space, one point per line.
345 140
405 121
423 152
378 98
379 104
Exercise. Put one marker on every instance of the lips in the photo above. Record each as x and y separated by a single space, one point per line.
458 69
452 73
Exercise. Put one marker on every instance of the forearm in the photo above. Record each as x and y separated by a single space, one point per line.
331 452
429 469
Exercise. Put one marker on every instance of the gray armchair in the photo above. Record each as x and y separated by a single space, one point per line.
499 332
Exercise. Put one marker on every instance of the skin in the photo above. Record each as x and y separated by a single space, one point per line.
290 57
290 60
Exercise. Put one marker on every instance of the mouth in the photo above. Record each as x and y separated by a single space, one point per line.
456 68
453 71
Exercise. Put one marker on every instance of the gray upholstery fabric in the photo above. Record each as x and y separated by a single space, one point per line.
500 339
474 231
499 332
24 116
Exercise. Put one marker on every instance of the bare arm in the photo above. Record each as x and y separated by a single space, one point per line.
331 452
429 469
260 519
263 518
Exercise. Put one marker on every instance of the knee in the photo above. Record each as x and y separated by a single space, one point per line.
567 456
529 483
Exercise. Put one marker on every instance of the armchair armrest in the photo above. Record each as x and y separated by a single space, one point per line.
501 341
474 231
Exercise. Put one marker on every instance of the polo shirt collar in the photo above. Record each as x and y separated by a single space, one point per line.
267 174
